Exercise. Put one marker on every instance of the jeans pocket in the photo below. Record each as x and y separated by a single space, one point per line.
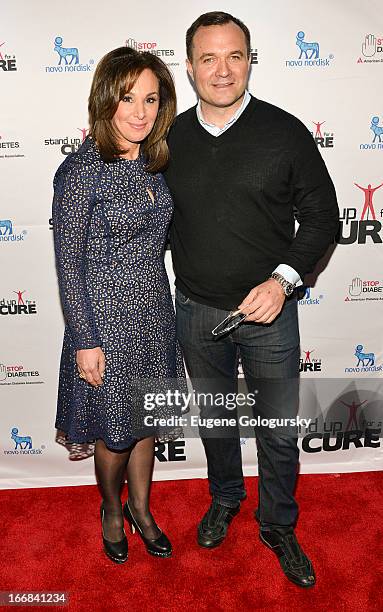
181 298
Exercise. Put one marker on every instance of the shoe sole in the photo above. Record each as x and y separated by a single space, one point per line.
209 546
118 561
158 554
213 545
291 579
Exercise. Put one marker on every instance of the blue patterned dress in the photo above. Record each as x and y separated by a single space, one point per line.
109 242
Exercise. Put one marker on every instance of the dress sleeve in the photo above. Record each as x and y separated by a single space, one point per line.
73 202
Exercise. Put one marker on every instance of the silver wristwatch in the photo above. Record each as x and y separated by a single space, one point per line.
287 287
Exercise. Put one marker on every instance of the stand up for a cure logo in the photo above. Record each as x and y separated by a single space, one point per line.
324 140
369 227
7 60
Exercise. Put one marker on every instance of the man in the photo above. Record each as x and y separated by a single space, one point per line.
240 168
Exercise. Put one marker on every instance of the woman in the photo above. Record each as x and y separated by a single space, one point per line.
111 212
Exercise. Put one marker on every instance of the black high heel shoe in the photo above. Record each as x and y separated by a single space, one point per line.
116 551
160 547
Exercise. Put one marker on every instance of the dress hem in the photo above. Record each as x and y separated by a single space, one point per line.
92 440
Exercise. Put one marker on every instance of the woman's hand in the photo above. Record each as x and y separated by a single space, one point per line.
91 365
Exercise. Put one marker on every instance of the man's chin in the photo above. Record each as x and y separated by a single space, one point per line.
224 103
224 100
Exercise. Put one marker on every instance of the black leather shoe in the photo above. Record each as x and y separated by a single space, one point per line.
296 566
214 525
116 551
160 547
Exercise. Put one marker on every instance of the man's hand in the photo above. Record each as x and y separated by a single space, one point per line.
91 365
264 302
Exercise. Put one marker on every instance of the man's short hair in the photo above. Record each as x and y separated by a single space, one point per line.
214 18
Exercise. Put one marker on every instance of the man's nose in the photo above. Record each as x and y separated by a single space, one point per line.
223 68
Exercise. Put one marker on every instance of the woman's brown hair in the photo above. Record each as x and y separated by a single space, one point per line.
114 76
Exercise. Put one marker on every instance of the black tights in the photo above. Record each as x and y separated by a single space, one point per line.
110 469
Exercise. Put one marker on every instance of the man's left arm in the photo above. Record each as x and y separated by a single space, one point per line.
315 201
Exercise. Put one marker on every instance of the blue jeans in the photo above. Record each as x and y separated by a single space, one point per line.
270 360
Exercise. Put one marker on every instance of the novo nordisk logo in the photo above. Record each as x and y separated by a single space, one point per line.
68 59
365 361
23 445
308 54
7 233
308 299
21 442
377 139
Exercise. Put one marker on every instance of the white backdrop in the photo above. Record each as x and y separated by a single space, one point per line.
43 114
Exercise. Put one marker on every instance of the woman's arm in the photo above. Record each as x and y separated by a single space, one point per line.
73 202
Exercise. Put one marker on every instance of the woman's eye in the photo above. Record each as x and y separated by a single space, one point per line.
127 99
151 100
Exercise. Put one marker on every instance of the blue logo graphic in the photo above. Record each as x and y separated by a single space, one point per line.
308 54
366 362
20 440
377 141
64 53
376 128
307 46
364 357
69 59
8 234
7 225
308 299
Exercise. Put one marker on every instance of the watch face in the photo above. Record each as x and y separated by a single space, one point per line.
289 289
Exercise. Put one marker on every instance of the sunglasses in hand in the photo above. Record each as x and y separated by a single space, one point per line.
231 322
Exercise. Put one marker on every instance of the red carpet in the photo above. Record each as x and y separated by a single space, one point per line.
50 541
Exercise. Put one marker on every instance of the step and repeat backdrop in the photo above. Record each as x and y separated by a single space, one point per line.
323 62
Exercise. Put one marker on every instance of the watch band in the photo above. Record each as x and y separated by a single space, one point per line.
287 287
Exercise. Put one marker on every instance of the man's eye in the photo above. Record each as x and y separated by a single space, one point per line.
235 57
208 60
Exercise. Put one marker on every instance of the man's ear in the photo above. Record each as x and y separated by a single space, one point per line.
189 68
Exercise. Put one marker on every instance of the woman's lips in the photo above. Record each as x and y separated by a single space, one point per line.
137 126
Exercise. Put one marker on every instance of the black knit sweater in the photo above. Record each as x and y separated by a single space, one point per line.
235 198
